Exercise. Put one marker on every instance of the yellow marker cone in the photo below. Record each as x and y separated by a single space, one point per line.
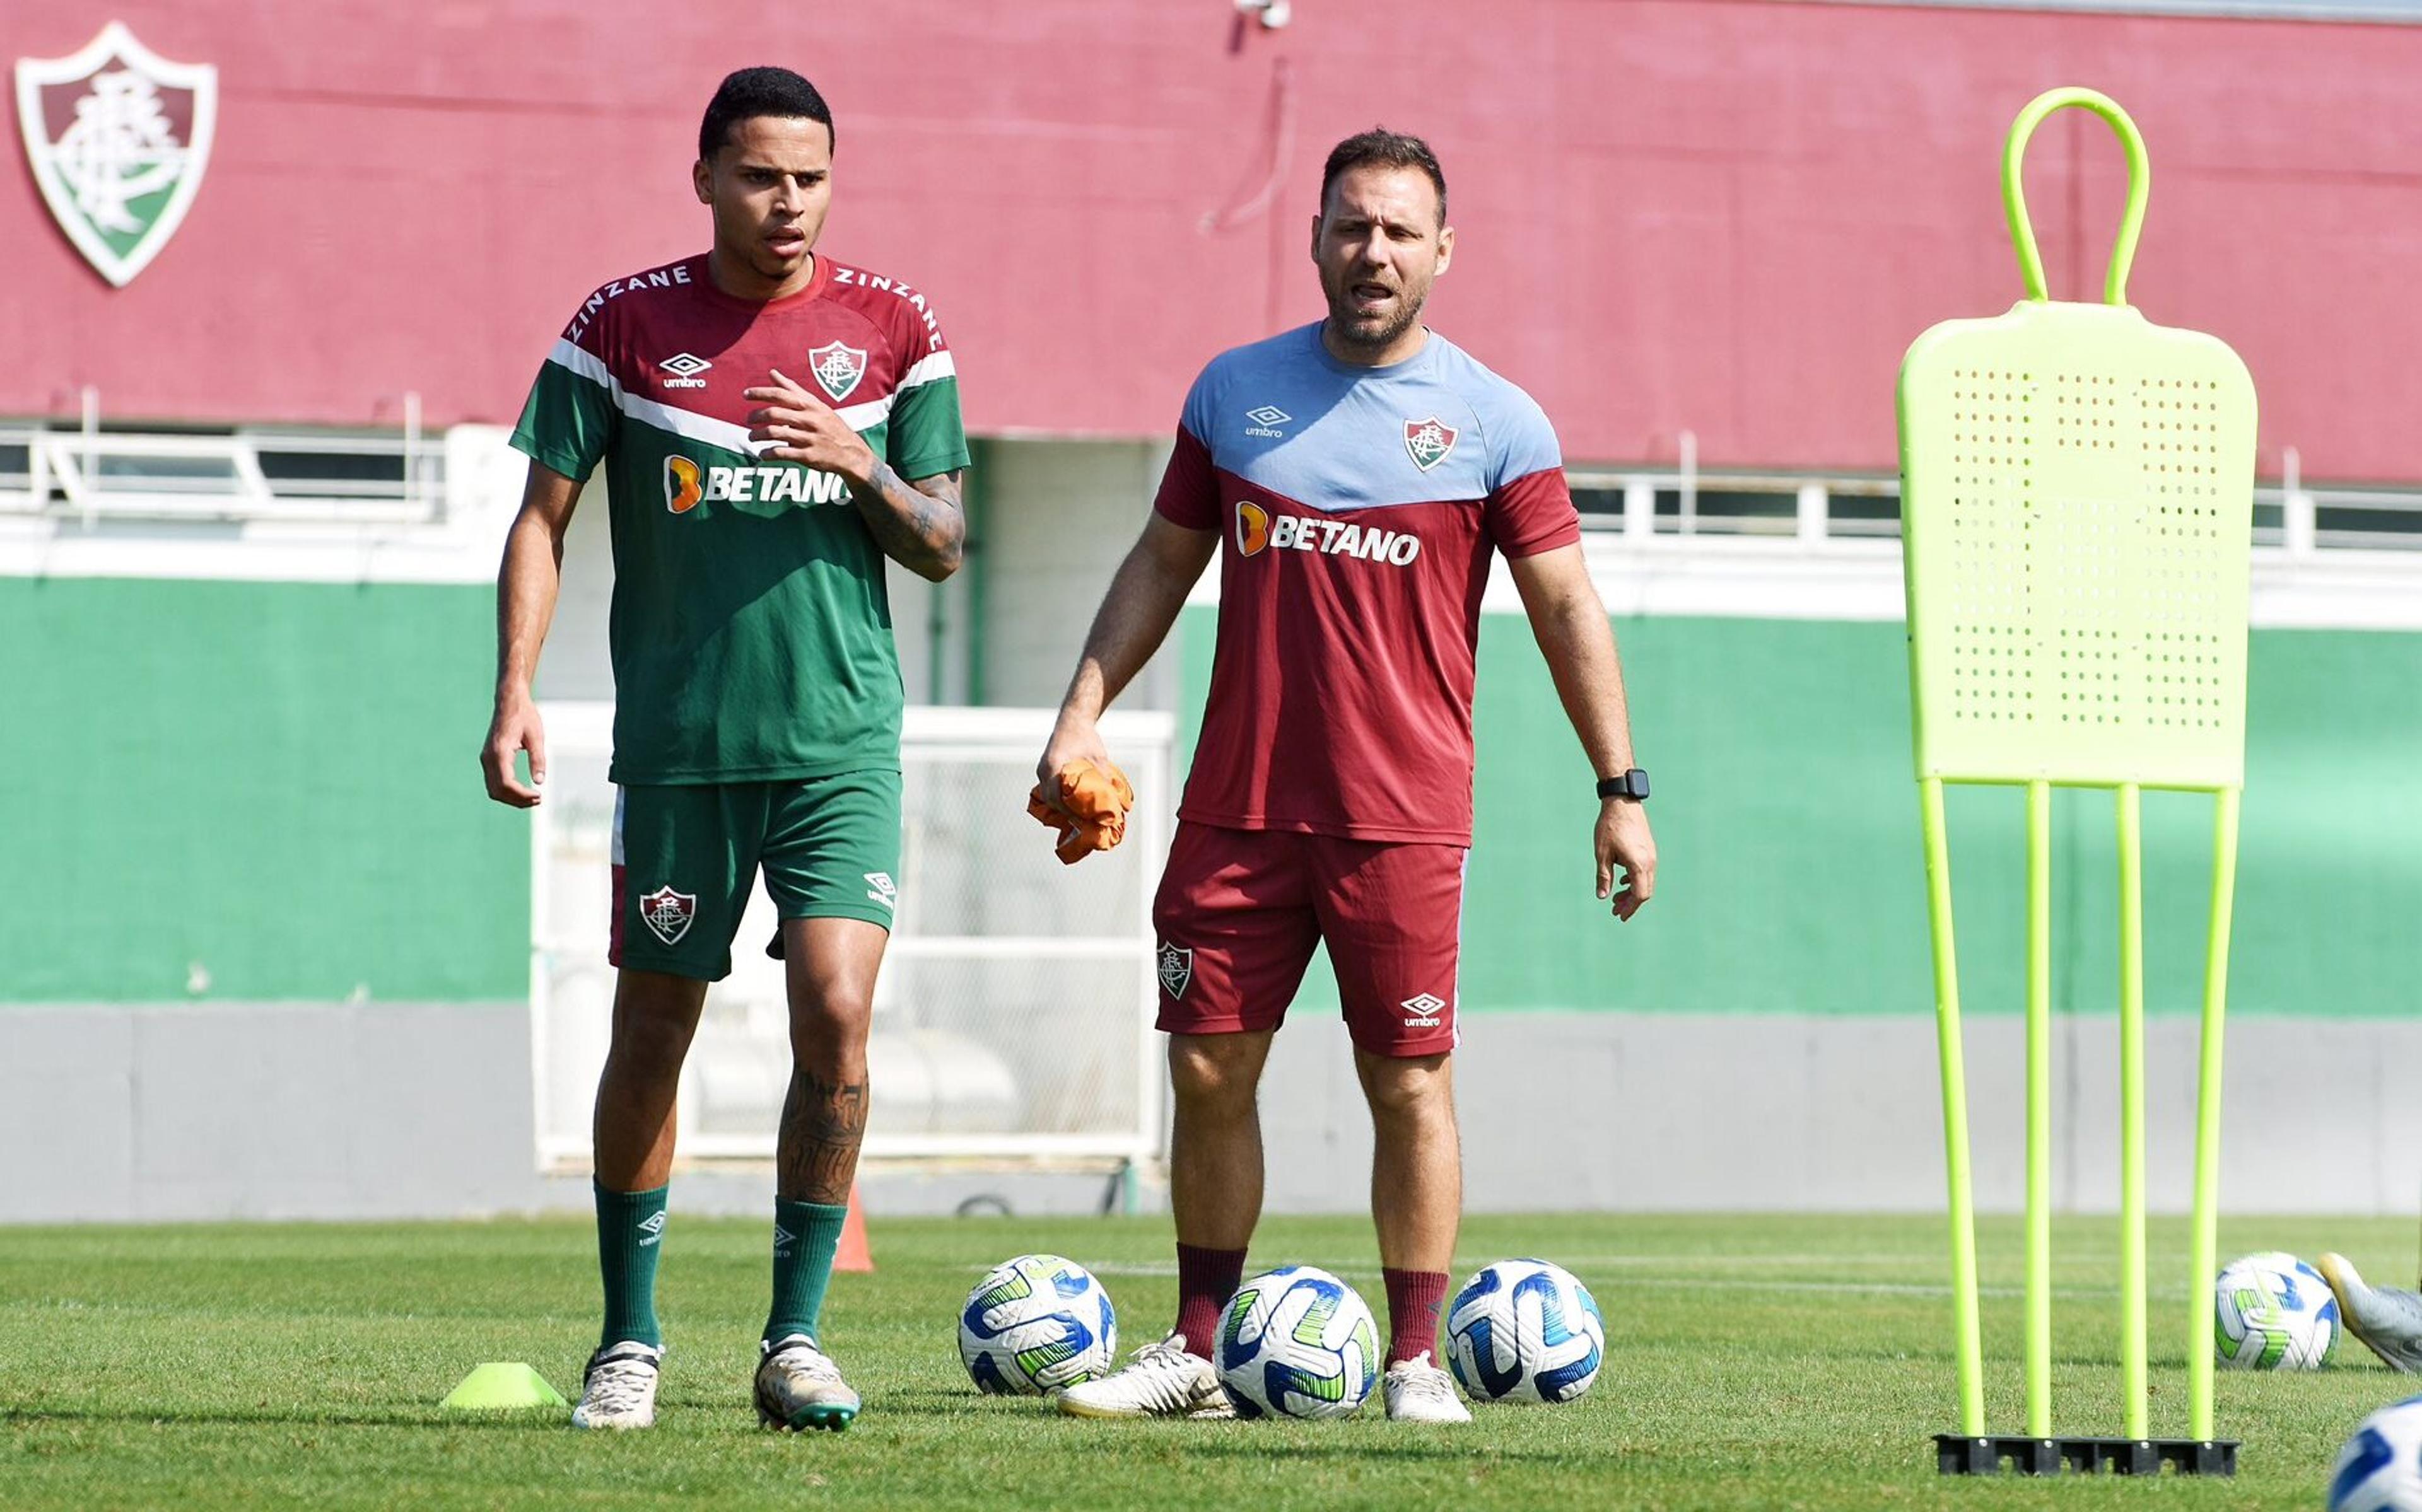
502 1386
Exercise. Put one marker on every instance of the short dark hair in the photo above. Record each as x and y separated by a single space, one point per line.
1380 148
752 92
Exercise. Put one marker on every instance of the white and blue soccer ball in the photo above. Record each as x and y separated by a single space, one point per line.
2273 1312
2380 1470
1035 1326
1524 1331
1297 1342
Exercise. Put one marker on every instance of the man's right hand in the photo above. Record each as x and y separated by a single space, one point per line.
1076 738
516 728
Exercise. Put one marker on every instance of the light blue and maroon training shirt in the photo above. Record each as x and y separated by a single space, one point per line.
1359 506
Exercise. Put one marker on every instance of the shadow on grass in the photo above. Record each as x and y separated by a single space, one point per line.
535 1418
1240 1442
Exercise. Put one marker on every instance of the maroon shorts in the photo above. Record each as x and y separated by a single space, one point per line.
1239 912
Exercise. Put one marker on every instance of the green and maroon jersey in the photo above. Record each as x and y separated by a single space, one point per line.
751 631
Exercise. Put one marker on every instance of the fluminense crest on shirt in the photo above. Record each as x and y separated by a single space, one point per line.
838 368
1428 442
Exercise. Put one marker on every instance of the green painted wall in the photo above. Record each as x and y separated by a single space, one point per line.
1791 875
275 781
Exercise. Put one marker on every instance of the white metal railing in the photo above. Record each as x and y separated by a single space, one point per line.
1643 505
399 477
91 473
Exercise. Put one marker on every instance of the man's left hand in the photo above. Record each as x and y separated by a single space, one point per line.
1625 844
804 429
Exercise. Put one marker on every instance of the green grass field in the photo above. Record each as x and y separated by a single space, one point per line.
1766 1362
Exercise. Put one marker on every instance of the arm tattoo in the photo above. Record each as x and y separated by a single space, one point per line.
823 1124
920 531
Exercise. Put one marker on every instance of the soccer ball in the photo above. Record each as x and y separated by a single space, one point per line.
1037 1325
1297 1342
1524 1331
2273 1312
2380 1470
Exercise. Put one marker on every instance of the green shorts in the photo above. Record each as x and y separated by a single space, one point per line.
687 857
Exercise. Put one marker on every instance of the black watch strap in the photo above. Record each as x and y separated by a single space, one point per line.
1632 784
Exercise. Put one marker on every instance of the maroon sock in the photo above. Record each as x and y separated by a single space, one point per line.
1415 1298
1205 1280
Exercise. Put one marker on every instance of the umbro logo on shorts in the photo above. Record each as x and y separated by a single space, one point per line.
1176 970
668 914
1422 1012
883 890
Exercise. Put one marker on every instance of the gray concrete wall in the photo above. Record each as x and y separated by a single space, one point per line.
1058 516
398 1110
265 1111
1669 1113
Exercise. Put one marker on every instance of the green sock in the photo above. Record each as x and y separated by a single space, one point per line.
806 1234
630 1228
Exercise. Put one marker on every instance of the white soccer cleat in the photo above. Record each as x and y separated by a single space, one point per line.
1161 1381
799 1387
1419 1392
617 1390
2389 1321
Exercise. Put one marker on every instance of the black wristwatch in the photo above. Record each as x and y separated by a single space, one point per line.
1632 784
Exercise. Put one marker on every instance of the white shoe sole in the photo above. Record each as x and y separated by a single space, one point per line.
1210 1412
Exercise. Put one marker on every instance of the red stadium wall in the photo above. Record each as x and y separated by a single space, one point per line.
1722 217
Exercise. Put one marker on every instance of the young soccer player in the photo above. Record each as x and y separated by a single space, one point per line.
773 424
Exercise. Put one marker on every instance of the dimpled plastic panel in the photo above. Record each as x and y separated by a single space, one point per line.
2077 503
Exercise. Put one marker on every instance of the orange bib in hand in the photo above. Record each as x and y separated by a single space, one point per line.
1088 805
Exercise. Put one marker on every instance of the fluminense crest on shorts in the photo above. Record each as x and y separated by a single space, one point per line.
838 368
1176 970
1428 442
117 137
668 914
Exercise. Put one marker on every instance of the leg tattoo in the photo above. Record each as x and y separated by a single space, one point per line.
823 1124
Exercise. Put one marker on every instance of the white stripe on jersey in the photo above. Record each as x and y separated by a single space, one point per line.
938 366
587 364
867 415
689 423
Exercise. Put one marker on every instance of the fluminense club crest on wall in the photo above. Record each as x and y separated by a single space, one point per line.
117 137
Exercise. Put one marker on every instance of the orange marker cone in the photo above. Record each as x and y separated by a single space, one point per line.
854 1254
